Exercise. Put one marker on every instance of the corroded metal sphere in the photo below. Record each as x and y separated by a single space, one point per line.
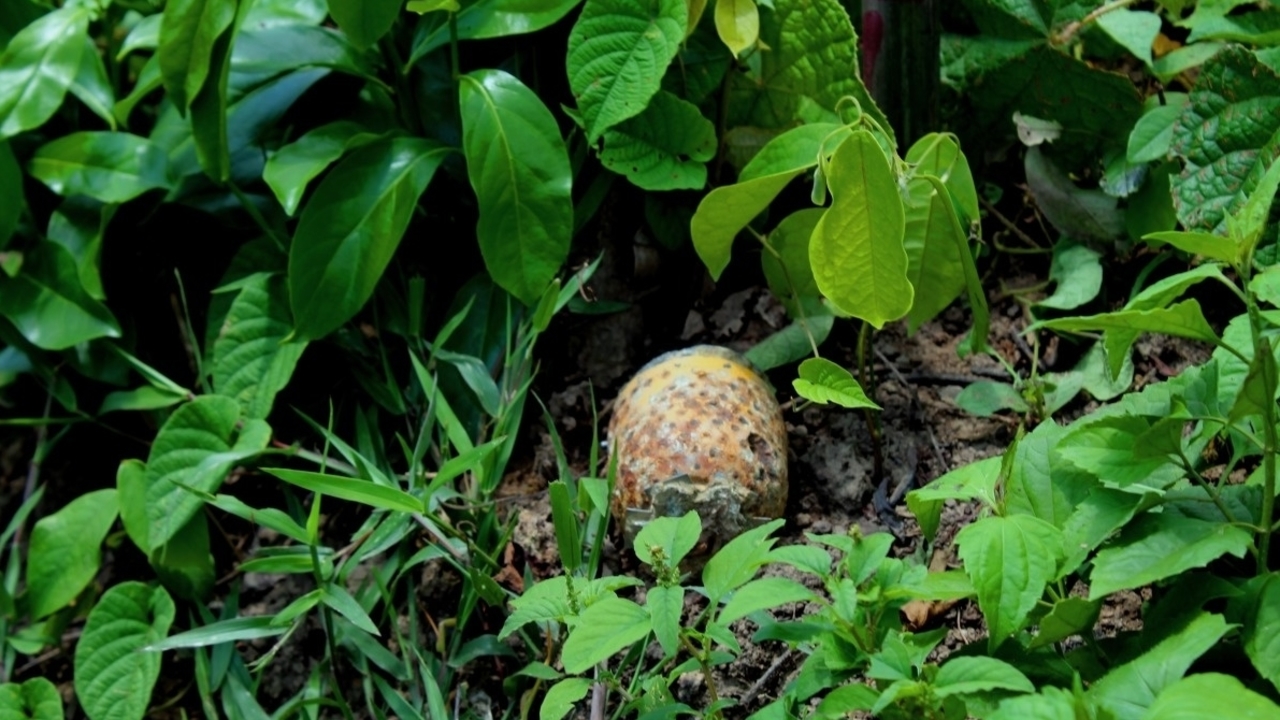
699 429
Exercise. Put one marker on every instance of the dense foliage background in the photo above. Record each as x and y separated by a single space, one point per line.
280 269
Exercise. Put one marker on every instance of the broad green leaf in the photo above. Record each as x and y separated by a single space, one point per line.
811 63
1183 320
1153 133
856 250
1084 215
274 13
196 447
738 24
210 105
1107 448
113 680
91 86
489 19
666 147
266 53
38 66
985 398
185 564
1039 482
1214 247
361 491
1134 30
736 563
822 381
675 536
976 340
1068 617
618 51
251 363
1247 226
786 268
939 155
1077 270
1226 138
144 35
35 699
149 81
1262 630
1129 690
977 480
665 606
1157 546
519 168
64 554
549 600
78 225
762 594
603 629
560 698
112 167
11 188
350 228
294 166
933 240
365 21
131 494
725 211
222 631
47 303
188 35
1210 695
1103 512
1010 560
967 675
791 342
1051 704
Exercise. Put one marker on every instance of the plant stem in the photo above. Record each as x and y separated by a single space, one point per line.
701 657
864 377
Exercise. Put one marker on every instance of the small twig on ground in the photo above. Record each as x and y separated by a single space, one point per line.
1009 224
758 685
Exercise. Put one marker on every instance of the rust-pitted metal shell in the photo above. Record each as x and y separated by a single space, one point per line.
699 429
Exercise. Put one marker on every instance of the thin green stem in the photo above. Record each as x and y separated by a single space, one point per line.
1208 487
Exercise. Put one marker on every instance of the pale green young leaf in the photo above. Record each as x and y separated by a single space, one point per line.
675 536
1129 690
113 680
1153 133
985 398
519 168
822 381
666 147
1107 448
294 166
762 594
112 167
1210 695
1214 247
1069 616
939 155
251 361
561 697
786 268
1077 271
351 227
365 492
738 24
725 211
1009 560
222 631
1158 546
1134 30
1099 515
856 250
1247 228
968 675
65 551
608 626
35 699
144 35
665 605
188 35
618 51
38 66
131 494
975 481
933 241
736 563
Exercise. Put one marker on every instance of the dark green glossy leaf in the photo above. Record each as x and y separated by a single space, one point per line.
490 19
47 303
209 104
351 227
112 167
365 21
261 54
294 166
189 37
38 66
91 86
519 168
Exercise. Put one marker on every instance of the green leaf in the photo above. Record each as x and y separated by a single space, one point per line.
1107 449
934 241
985 398
561 697
968 675
1052 704
856 251
1210 695
1134 30
738 24
1084 215
1214 247
791 342
519 168
78 225
188 34
1247 227
675 536
1226 138
11 188
196 447
1077 270
91 86
131 493
725 211
1129 690
736 563
113 680
348 607
490 19
270 518
666 147
975 481
47 303
1157 546
210 104
38 66
1096 518
1069 616
603 629
251 363
35 699
762 594
266 53
351 227
1009 560
365 21
666 605
64 554
1040 483
293 166
112 167
811 63
149 81
822 381
361 491
939 155
223 631
787 268
1262 630
185 564
144 35
1152 135
618 51
1183 320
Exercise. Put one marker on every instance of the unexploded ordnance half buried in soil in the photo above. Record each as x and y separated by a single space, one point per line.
699 429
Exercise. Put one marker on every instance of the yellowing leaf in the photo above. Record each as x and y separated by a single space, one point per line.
738 23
